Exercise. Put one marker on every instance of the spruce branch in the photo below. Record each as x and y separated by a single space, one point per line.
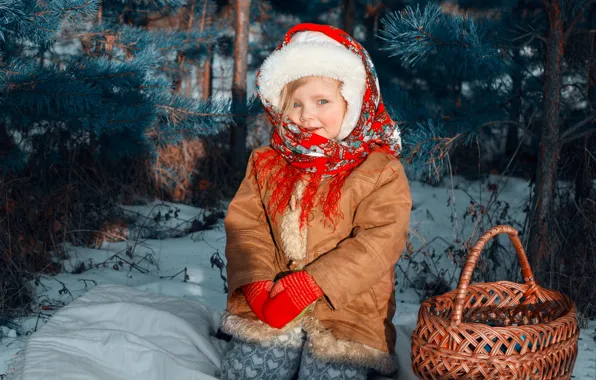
416 36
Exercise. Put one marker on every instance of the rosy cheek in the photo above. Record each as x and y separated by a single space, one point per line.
293 118
339 120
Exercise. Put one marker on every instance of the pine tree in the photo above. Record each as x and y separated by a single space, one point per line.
113 96
481 52
238 136
88 100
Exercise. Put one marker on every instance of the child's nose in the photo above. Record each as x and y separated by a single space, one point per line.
307 114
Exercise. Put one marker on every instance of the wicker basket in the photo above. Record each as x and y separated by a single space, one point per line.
496 330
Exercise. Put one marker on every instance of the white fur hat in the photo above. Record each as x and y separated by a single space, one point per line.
315 54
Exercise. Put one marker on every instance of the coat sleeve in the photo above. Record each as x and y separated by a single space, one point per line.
378 237
250 250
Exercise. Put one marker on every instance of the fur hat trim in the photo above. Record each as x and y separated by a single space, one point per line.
315 54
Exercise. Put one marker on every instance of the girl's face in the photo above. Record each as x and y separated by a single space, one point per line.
318 106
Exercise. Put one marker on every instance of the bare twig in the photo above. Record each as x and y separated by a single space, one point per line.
567 135
578 16
174 275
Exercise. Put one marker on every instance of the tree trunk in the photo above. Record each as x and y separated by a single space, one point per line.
372 17
583 182
349 16
177 81
541 248
238 135
207 77
206 72
100 14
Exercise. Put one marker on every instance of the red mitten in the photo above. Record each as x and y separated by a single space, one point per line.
256 293
289 297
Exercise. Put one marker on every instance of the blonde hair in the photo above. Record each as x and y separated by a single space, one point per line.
285 97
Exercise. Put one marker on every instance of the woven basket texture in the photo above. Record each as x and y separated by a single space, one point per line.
496 330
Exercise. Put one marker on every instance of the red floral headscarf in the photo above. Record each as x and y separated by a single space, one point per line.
298 154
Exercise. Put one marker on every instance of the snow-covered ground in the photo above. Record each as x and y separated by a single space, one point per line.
185 266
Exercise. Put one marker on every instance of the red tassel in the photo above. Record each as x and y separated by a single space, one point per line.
273 171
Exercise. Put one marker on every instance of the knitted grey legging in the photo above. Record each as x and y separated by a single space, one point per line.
280 359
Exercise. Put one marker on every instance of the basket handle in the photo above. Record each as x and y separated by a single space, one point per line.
473 256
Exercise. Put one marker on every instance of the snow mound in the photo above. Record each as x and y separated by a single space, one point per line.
121 333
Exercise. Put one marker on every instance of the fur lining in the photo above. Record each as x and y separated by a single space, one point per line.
315 54
293 238
324 346
254 331
321 342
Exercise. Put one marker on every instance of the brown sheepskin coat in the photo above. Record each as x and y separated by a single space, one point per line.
353 264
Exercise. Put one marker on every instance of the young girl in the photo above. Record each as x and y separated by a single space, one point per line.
319 221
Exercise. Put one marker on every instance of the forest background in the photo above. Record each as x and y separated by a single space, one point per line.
120 102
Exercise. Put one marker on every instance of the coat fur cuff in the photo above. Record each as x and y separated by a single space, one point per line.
254 331
325 347
321 342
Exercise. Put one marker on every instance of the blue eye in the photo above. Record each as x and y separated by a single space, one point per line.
323 101
296 105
